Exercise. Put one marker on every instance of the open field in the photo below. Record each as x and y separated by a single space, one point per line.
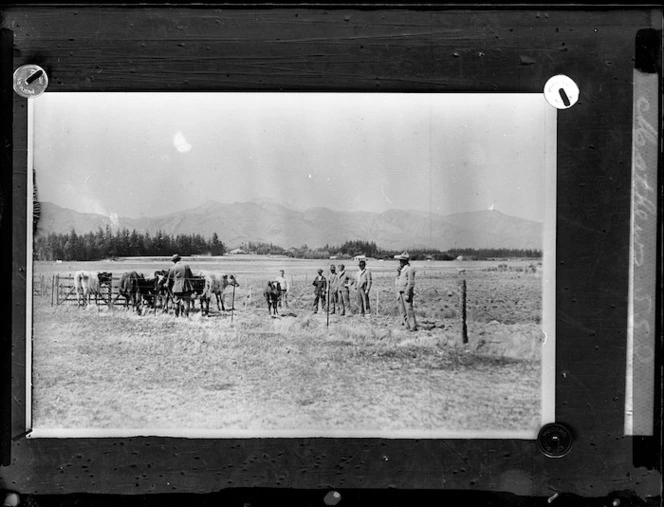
101 368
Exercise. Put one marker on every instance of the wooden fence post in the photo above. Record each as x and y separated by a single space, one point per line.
233 303
57 289
462 304
327 308
52 288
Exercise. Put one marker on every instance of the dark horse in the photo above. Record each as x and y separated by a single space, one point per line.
129 289
272 295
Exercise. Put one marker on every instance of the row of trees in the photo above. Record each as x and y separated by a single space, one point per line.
350 249
105 244
494 253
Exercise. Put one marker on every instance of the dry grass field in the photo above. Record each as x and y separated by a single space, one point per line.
107 368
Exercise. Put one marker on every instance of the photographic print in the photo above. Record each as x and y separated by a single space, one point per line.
266 265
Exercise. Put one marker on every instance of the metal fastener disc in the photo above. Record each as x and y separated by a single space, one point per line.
561 92
30 81
555 440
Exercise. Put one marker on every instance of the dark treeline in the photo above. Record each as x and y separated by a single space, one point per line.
350 249
494 253
346 251
105 243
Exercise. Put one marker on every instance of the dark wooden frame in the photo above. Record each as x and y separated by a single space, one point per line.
427 49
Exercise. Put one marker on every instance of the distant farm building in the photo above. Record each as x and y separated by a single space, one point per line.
466 258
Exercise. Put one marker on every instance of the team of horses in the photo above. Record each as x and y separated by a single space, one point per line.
144 293
141 292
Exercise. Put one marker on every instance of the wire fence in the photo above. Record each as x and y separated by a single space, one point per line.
61 289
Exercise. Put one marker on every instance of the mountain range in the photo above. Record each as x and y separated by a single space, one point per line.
262 221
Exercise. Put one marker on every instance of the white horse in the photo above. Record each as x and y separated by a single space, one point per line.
90 282
217 283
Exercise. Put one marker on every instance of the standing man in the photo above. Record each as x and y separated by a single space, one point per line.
405 285
334 289
363 285
182 288
320 288
343 291
285 287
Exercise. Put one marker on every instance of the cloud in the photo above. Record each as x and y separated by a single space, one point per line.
80 198
181 143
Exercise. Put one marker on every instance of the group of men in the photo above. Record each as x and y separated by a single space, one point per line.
339 289
337 286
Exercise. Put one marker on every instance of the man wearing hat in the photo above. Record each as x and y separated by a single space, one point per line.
333 299
343 291
405 285
363 285
182 288
320 288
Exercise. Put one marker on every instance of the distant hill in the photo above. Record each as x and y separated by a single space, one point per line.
240 222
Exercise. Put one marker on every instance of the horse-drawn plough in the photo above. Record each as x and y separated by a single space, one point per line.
137 292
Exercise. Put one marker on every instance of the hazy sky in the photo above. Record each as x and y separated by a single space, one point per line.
150 154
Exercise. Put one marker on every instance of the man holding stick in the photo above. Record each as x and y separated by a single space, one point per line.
405 285
343 283
320 291
333 287
363 286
